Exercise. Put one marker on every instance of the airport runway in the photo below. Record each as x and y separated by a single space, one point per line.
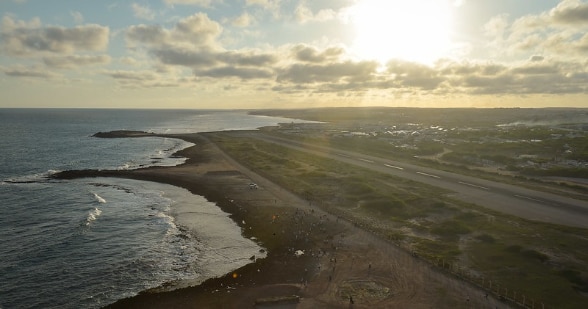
510 199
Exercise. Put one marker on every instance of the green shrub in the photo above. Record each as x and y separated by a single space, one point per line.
486 238
451 228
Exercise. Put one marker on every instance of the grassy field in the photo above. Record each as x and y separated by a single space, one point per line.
547 263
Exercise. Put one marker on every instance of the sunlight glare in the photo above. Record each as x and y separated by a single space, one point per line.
415 30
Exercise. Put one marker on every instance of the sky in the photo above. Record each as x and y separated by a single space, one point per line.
251 54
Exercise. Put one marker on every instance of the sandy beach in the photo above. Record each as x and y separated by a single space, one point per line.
314 259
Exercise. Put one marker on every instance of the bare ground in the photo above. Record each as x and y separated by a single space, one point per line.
343 266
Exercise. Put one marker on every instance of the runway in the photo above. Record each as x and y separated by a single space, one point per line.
506 198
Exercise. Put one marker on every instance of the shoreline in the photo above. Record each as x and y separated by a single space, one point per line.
342 265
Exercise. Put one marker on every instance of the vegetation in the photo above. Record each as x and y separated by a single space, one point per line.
518 146
545 262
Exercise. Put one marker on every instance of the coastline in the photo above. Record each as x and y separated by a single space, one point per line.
342 265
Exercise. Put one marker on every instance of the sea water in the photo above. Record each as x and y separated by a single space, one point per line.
88 242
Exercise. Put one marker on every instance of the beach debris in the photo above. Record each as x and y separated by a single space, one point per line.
253 186
243 222
235 275
299 253
252 258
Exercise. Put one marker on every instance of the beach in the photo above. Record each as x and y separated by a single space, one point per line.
312 259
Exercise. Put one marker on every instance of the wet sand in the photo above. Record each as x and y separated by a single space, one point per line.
342 265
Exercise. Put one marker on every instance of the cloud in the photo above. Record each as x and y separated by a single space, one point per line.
142 12
239 72
19 38
244 20
77 16
185 57
570 12
143 79
28 72
203 59
194 31
496 26
132 75
202 3
304 14
271 6
525 78
73 61
192 43
330 72
410 74
192 49
311 54
560 32
266 4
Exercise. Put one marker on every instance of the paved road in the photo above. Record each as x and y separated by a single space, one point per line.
525 203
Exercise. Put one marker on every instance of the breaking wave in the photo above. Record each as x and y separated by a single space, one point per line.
32 178
93 215
99 199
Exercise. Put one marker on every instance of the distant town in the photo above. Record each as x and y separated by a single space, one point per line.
550 143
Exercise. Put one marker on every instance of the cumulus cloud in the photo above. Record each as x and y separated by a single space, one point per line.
201 59
310 54
185 57
570 12
247 58
525 78
239 72
244 20
20 38
304 14
559 31
192 43
496 26
409 74
194 31
304 73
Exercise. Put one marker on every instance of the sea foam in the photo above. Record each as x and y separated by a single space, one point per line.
93 215
99 199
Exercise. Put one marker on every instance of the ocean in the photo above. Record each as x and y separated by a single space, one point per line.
87 243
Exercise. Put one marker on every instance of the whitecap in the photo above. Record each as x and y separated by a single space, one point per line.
99 198
93 215
123 167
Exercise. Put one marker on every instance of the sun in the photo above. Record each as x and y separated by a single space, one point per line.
415 30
